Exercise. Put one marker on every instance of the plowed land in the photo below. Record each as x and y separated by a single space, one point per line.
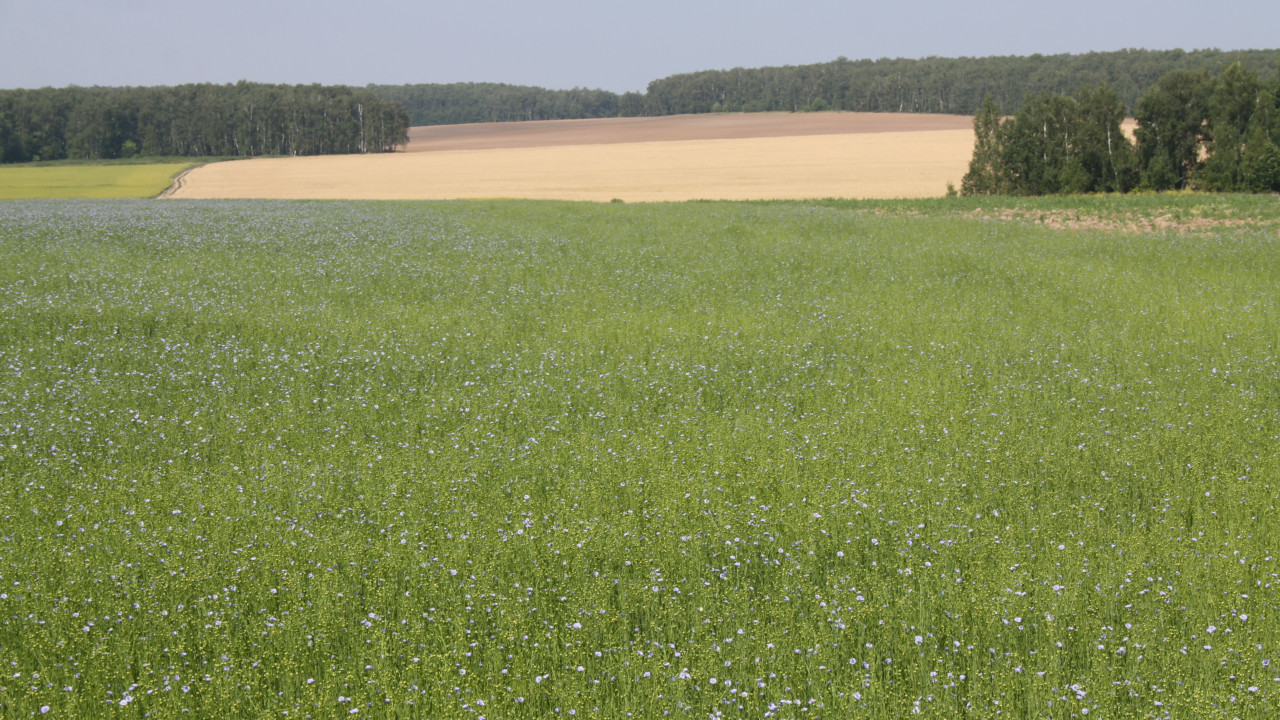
726 157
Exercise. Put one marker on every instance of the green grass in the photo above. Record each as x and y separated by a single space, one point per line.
88 181
570 460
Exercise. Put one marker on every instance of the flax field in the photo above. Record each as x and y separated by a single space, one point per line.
699 460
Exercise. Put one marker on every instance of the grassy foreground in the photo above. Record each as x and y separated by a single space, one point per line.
88 181
514 460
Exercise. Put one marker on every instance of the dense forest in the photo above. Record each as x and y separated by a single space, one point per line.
245 119
457 103
1195 131
931 85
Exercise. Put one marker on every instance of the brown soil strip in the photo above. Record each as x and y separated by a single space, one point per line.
728 126
1132 225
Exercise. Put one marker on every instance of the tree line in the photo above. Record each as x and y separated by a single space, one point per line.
1195 130
196 120
930 85
457 103
933 85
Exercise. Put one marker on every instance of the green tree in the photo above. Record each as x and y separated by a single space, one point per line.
196 120
1260 159
1104 154
1232 105
985 169
1037 147
1171 120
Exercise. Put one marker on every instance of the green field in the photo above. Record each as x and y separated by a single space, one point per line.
87 181
529 460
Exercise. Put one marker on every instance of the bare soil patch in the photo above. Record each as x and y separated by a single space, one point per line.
1131 225
674 128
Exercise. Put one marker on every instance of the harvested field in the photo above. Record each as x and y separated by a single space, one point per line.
725 157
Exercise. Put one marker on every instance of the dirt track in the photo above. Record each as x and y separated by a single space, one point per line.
732 157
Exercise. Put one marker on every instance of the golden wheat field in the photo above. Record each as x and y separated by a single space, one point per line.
722 157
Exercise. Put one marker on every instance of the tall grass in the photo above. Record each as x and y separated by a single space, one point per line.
546 459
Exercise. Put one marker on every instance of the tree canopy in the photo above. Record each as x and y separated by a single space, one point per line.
457 103
245 119
928 85
1195 130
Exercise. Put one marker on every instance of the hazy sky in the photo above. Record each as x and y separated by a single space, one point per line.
606 44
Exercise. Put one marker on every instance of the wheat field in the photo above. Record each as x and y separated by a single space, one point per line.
865 159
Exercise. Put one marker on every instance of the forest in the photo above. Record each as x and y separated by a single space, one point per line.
929 85
253 119
196 120
1195 131
458 103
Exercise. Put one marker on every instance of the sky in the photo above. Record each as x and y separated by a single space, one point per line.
607 44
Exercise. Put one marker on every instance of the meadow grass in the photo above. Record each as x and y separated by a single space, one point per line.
88 181
520 459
